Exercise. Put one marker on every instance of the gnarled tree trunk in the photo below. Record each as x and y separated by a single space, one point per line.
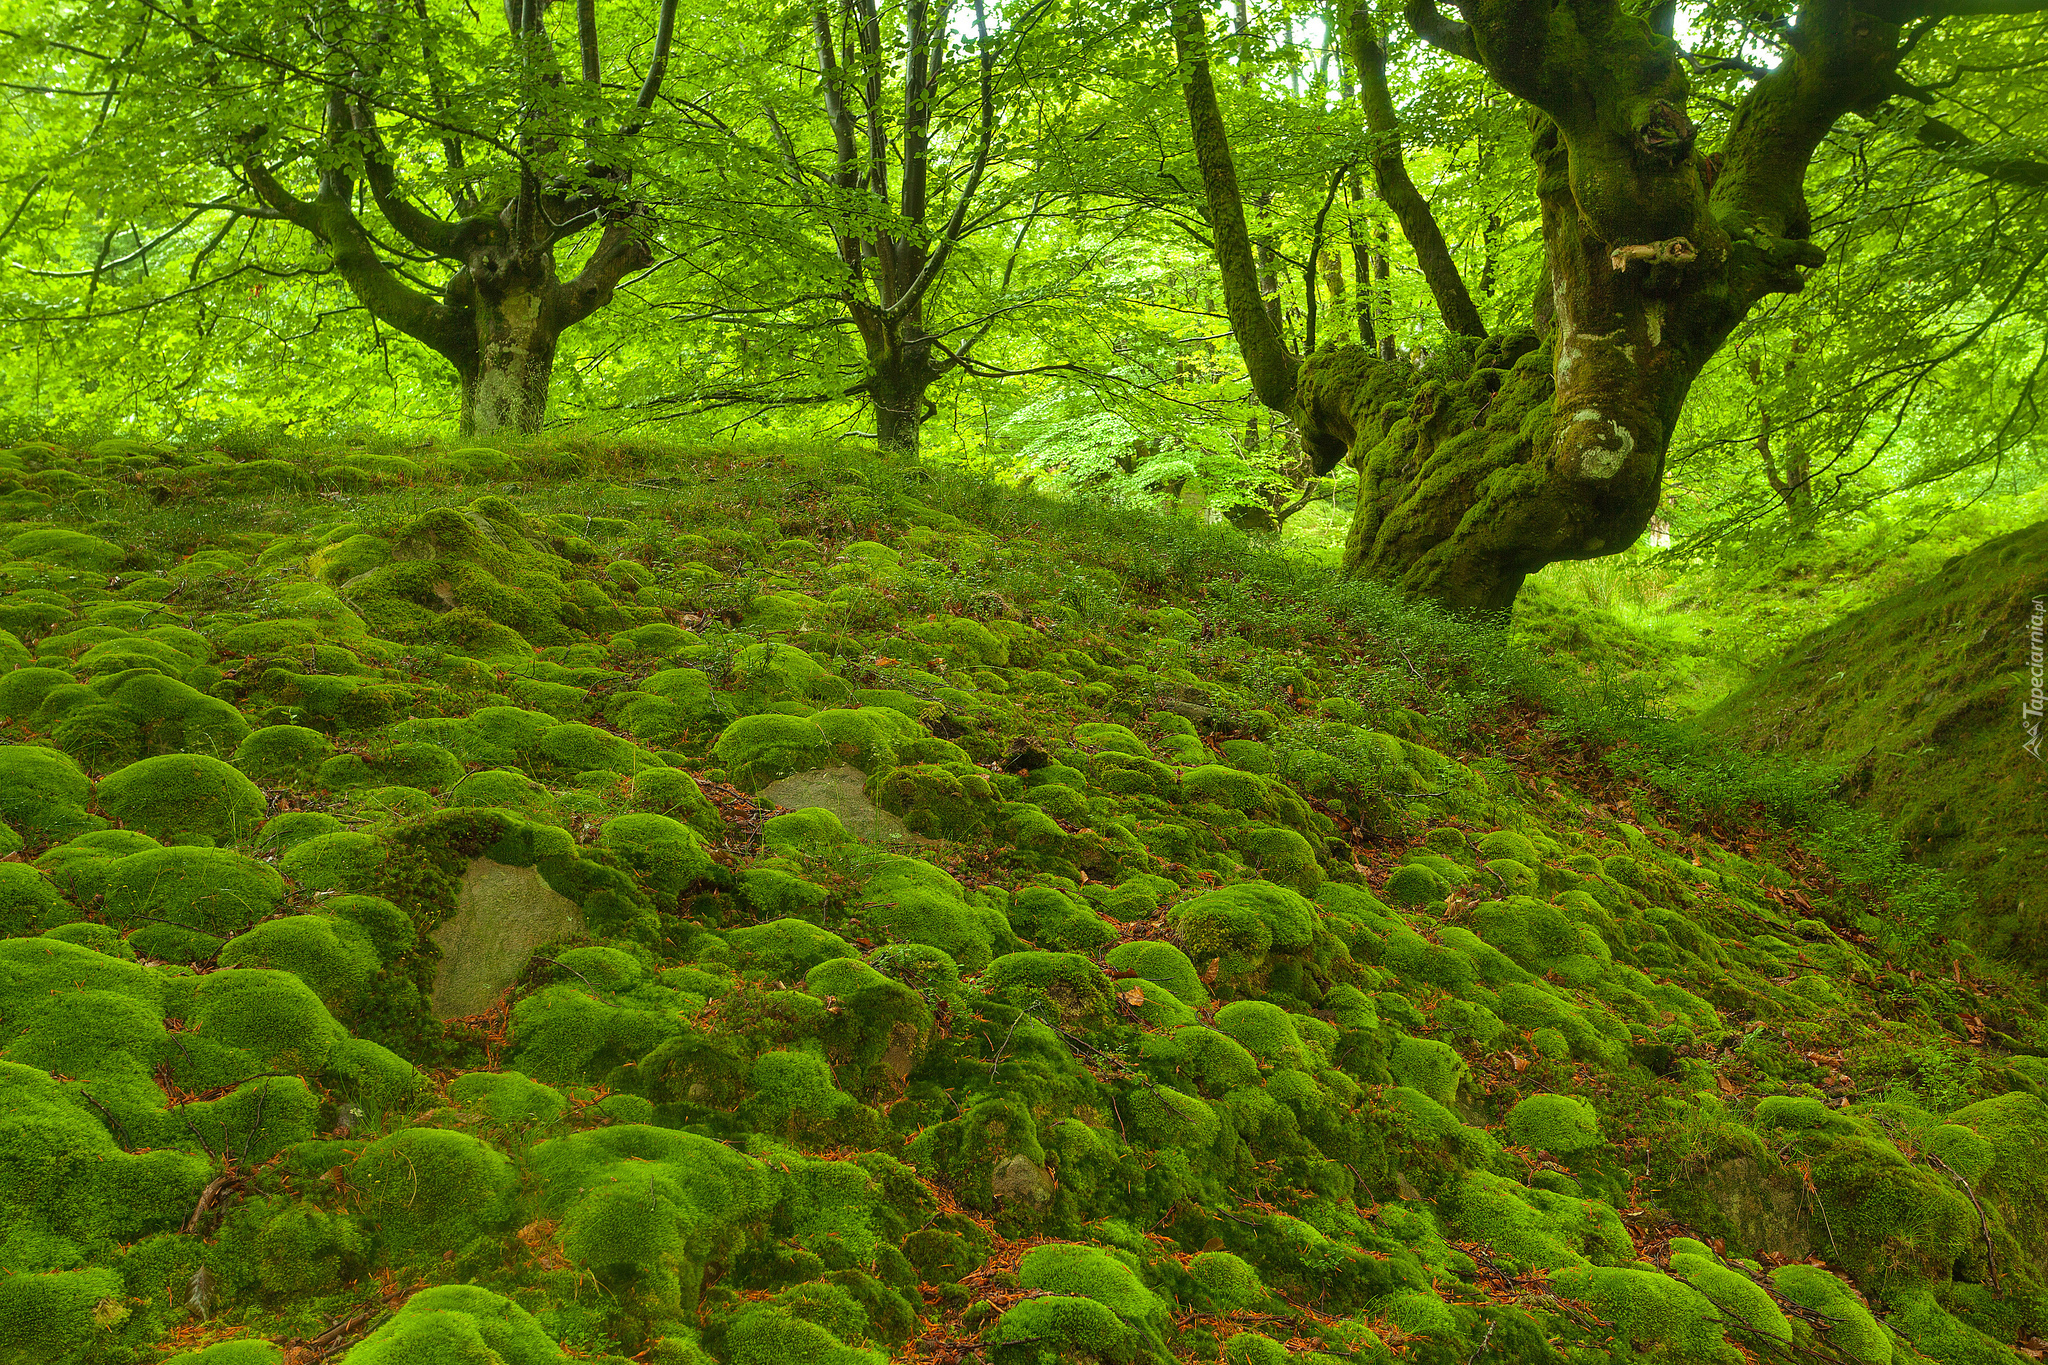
511 359
510 311
1548 444
503 311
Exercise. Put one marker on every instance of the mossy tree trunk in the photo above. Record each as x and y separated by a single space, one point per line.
1548 444
902 367
516 309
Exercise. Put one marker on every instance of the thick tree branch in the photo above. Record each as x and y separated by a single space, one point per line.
917 108
831 86
281 201
1390 174
424 319
1433 28
1841 60
1273 370
621 251
422 229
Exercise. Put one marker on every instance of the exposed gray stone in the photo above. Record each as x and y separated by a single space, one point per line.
843 791
1020 1180
501 915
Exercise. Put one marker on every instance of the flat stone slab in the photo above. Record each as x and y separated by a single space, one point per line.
843 791
501 915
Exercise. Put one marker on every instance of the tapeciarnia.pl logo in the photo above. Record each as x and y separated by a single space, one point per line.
2037 669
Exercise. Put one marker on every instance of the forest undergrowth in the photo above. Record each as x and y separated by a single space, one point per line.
1208 958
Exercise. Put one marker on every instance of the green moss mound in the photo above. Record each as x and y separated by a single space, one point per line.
184 794
1919 700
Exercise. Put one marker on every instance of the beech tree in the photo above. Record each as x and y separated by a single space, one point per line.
443 168
874 153
1549 442
504 308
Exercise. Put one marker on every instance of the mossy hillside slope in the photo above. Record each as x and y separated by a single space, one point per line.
1920 699
1251 985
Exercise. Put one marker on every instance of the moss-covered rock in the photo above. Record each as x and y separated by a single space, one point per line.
428 1188
1238 926
184 901
756 750
667 856
458 1323
184 794
1047 950
42 792
1563 1124
646 1210
283 755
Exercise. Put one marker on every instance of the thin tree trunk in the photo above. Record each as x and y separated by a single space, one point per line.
1273 369
1383 292
1390 174
1361 266
1333 285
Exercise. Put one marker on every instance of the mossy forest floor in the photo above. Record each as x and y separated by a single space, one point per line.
1259 978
